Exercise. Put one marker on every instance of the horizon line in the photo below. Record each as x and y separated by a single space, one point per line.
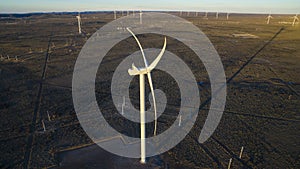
148 10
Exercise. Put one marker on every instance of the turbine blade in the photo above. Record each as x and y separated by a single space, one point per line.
141 48
154 102
133 71
155 62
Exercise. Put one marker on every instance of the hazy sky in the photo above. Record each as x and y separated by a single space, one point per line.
251 6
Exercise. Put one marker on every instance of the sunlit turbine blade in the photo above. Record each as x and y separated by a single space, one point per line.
154 102
133 71
155 62
141 48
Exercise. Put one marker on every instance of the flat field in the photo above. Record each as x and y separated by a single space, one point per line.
261 114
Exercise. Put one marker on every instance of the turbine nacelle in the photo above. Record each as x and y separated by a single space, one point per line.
138 71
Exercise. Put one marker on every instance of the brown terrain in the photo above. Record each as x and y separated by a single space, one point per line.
262 66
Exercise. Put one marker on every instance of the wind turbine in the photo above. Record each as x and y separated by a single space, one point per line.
206 14
196 14
142 72
229 163
228 15
295 19
217 15
141 17
179 123
79 23
49 118
115 15
269 18
43 124
123 105
241 152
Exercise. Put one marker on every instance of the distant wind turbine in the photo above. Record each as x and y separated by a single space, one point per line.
228 15
142 72
141 17
43 124
48 115
179 123
79 23
229 163
217 15
115 15
269 18
206 14
295 19
123 105
241 152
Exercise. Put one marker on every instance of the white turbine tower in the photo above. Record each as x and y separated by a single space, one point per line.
48 115
269 18
142 72
228 15
115 15
79 23
43 124
179 123
217 15
295 19
241 152
123 105
229 163
141 17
